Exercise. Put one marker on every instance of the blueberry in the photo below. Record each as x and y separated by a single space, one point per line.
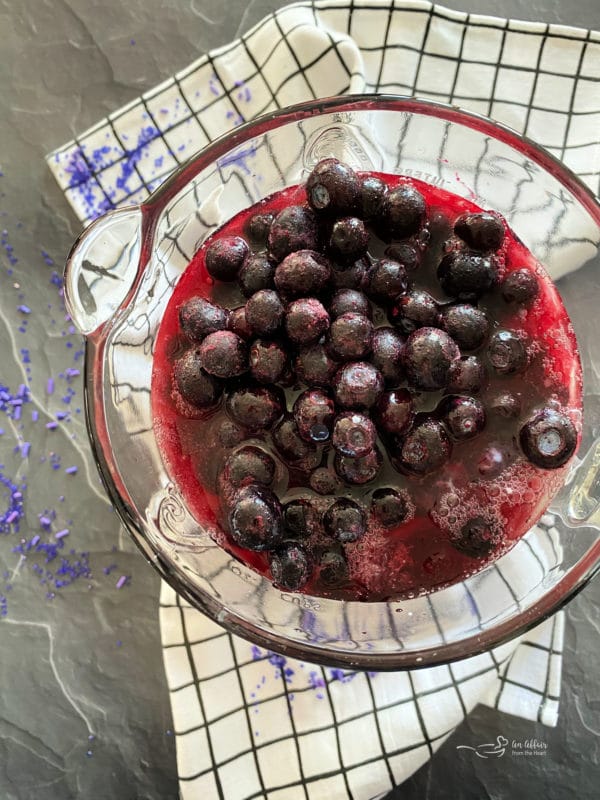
428 355
352 277
257 272
199 317
306 320
302 274
300 519
405 254
255 519
425 449
230 434
507 352
350 337
333 569
494 460
387 281
195 385
294 228
249 464
357 385
467 275
548 438
464 417
333 188
349 240
403 212
476 539
482 231
314 366
395 412
257 227
520 286
467 325
256 408
267 361
358 471
388 349
345 521
353 434
417 309
373 192
467 374
224 354
390 507
506 404
346 301
224 257
238 323
292 448
314 412
324 481
264 312
290 566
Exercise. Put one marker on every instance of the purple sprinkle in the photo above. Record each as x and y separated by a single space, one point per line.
50 386
45 522
91 737
72 373
12 517
62 414
25 448
119 643
121 582
61 534
17 414
24 309
35 416
71 470
52 425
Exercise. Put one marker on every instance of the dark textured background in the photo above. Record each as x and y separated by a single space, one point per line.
88 662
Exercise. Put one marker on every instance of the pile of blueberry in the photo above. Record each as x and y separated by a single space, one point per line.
346 337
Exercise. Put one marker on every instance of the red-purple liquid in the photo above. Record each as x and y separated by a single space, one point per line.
417 556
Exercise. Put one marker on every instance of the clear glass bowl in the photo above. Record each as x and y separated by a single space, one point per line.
120 276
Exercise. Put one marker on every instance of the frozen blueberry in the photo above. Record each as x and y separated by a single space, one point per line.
314 413
467 374
249 464
238 323
256 408
333 569
494 459
350 337
224 354
267 361
230 434
324 481
358 471
506 404
520 286
290 566
195 385
255 519
199 317
482 231
292 448
314 366
257 227
395 412
405 254
467 325
387 281
225 256
464 417
345 301
349 240
403 212
306 320
467 275
257 272
264 312
476 539
507 352
390 507
333 188
425 449
353 434
345 521
302 274
417 309
387 349
300 519
548 438
294 228
373 192
357 385
352 277
428 355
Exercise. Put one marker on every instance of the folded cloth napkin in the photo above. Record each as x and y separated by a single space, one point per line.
254 724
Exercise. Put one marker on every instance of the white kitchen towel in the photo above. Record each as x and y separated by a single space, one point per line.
249 723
